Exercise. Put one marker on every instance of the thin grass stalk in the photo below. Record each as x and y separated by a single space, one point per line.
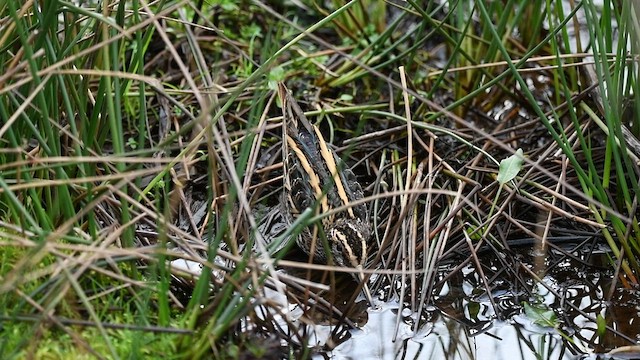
565 45
611 90
555 134
473 94
52 145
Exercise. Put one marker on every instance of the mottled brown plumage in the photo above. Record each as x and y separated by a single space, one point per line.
314 173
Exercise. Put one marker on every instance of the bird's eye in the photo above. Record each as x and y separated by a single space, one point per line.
339 247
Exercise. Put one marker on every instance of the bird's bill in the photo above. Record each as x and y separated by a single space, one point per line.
365 286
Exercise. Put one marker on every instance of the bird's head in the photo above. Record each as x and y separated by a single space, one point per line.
348 238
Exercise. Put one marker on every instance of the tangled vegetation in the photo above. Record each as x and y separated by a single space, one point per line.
141 163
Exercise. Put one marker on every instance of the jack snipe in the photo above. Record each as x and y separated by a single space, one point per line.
313 173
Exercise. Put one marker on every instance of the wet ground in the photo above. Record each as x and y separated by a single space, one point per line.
560 317
572 310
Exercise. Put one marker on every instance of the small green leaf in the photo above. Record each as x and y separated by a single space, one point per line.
602 325
251 31
346 97
541 315
274 76
132 143
473 232
510 167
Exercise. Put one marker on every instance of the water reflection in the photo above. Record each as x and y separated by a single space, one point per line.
552 319
447 338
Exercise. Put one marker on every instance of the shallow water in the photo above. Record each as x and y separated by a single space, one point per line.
556 320
553 319
446 338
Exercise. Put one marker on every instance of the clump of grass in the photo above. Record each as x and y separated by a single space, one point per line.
137 134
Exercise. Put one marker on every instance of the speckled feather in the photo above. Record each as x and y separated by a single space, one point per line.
313 172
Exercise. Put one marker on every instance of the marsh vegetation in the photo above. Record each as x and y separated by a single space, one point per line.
141 175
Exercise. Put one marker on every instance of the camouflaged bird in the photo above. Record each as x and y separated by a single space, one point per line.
313 173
